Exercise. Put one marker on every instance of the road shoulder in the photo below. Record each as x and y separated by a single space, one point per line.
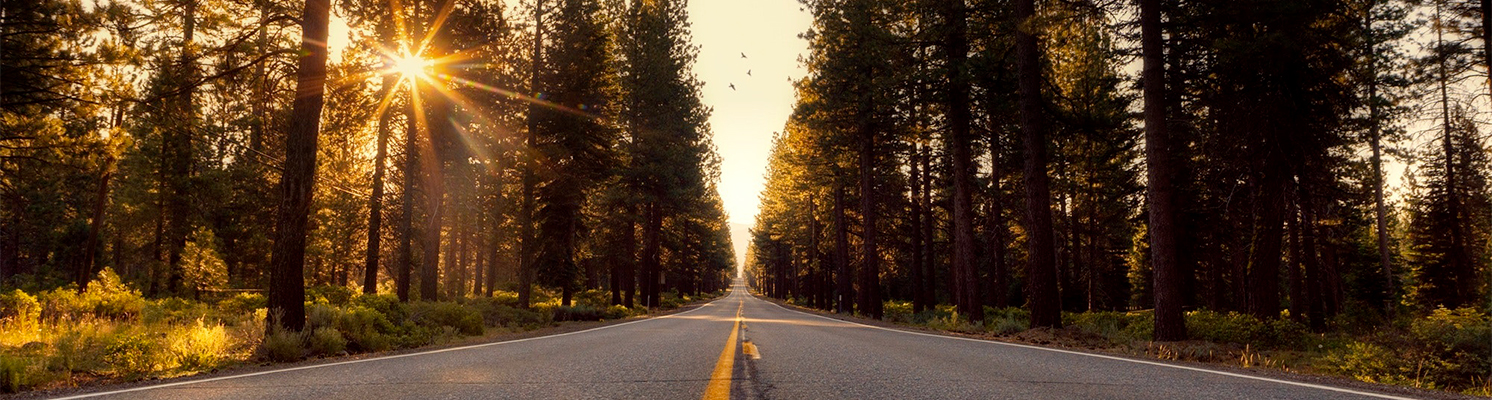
1303 378
261 367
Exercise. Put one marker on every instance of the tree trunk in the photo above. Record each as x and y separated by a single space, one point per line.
870 267
918 287
965 263
527 245
652 232
1161 176
629 261
1299 307
297 183
178 157
375 201
404 268
1375 137
1041 273
86 268
1264 266
842 251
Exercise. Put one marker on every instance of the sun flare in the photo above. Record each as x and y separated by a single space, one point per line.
410 66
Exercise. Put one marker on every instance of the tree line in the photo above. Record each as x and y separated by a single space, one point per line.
449 149
1146 155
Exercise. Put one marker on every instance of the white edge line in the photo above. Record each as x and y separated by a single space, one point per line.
1160 364
381 358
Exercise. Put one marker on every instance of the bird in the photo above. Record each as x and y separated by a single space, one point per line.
743 55
748 72
732 86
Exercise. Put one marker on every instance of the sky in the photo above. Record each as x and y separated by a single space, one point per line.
744 118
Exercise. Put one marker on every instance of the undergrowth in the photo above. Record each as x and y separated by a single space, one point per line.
109 332
1445 350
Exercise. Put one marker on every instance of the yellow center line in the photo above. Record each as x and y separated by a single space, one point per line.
719 387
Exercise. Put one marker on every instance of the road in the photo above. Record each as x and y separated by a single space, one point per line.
711 352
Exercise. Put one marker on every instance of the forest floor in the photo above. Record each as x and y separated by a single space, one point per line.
64 344
1319 366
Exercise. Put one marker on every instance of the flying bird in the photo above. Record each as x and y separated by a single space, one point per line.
743 55
748 72
732 86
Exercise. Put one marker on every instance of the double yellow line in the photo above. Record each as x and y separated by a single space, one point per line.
719 387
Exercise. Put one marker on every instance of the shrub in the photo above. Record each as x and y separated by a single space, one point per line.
1238 328
242 303
438 314
330 295
283 346
386 304
327 341
19 310
321 315
577 313
1365 362
366 329
198 346
78 350
108 297
133 355
12 374
496 313
899 312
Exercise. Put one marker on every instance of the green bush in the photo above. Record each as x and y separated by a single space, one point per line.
242 303
327 341
437 314
1365 362
174 310
104 298
899 312
199 345
19 310
386 304
283 346
321 315
330 295
133 355
1238 328
366 329
1458 344
78 350
12 374
497 313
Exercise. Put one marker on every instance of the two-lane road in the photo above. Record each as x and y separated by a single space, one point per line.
699 354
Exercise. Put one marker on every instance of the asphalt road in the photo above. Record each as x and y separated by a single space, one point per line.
701 354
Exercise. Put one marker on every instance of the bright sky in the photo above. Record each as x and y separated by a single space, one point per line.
744 118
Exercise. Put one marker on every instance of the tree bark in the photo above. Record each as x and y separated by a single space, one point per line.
842 251
404 268
86 268
1041 273
918 287
965 264
375 200
1264 267
178 157
297 182
652 232
870 262
1161 176
527 247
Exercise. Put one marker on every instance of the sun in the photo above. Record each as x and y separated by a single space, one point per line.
410 66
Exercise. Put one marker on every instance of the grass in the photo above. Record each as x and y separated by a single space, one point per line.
1447 350
111 333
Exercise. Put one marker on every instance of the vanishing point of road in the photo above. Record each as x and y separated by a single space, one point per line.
742 347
